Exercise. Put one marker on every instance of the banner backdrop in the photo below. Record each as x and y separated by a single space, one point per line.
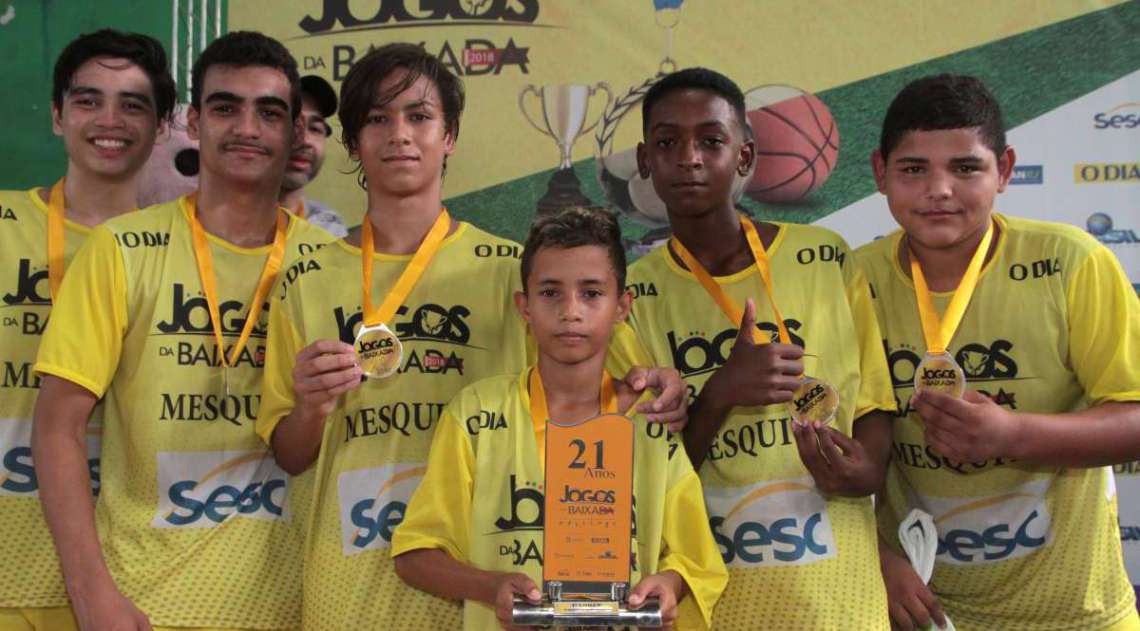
554 89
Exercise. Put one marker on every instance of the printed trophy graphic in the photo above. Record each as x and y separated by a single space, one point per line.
586 535
564 115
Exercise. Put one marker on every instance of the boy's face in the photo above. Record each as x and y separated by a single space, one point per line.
403 143
940 185
107 119
694 148
244 128
572 302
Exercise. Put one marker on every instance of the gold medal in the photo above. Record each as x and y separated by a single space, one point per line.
814 402
939 372
378 351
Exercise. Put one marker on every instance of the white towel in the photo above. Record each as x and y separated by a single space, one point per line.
919 540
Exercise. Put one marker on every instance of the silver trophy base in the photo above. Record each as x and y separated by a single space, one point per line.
588 614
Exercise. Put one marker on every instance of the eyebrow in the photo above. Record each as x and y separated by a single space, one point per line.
707 123
230 97
955 160
82 90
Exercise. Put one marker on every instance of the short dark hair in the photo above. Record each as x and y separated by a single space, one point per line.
945 101
242 49
696 79
141 50
575 227
358 91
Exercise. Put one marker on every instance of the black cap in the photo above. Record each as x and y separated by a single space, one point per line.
321 92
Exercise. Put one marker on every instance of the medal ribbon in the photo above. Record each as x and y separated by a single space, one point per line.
722 299
539 413
411 274
938 333
210 285
300 209
56 239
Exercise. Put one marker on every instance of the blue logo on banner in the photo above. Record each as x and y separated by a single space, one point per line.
1100 226
1118 117
1028 174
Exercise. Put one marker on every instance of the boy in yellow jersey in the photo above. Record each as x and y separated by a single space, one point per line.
788 502
483 492
163 318
441 287
112 93
1014 471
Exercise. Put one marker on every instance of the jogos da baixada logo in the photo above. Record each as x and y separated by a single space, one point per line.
202 489
373 502
488 55
774 523
1100 225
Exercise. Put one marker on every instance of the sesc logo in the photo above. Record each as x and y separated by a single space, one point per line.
1100 225
1123 116
373 502
17 472
774 524
202 489
991 528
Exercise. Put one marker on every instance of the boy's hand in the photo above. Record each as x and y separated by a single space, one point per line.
758 374
839 464
970 429
110 611
323 371
672 403
668 587
910 602
510 585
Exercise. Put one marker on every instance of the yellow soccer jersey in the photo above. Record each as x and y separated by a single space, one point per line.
196 521
457 325
1052 327
796 559
481 500
25 542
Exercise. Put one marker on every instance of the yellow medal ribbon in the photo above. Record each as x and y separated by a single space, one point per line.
300 209
210 285
410 276
722 299
56 238
939 332
539 413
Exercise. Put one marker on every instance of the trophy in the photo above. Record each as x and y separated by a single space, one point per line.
564 109
587 526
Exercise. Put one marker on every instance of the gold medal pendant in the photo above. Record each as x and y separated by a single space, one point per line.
939 372
378 351
813 402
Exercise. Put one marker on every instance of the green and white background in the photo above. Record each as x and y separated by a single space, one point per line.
1067 73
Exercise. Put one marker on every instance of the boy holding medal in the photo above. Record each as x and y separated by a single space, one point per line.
162 317
787 464
1027 384
111 96
429 313
484 482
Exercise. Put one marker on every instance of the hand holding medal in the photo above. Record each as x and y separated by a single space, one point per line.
378 349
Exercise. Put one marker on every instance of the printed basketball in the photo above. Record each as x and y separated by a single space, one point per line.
797 143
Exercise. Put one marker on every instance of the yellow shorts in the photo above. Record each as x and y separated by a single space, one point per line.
60 619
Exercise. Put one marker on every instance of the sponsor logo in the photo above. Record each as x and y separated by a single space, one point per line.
373 502
20 375
501 250
202 489
1100 225
1123 116
190 315
295 271
485 420
1129 534
777 523
751 438
399 418
194 406
131 240
926 457
979 361
6 213
18 473
824 253
992 528
1107 173
428 322
31 286
698 353
1037 269
637 290
1028 174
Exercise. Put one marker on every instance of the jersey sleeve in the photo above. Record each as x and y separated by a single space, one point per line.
626 350
688 547
1104 329
439 514
282 343
84 337
875 391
